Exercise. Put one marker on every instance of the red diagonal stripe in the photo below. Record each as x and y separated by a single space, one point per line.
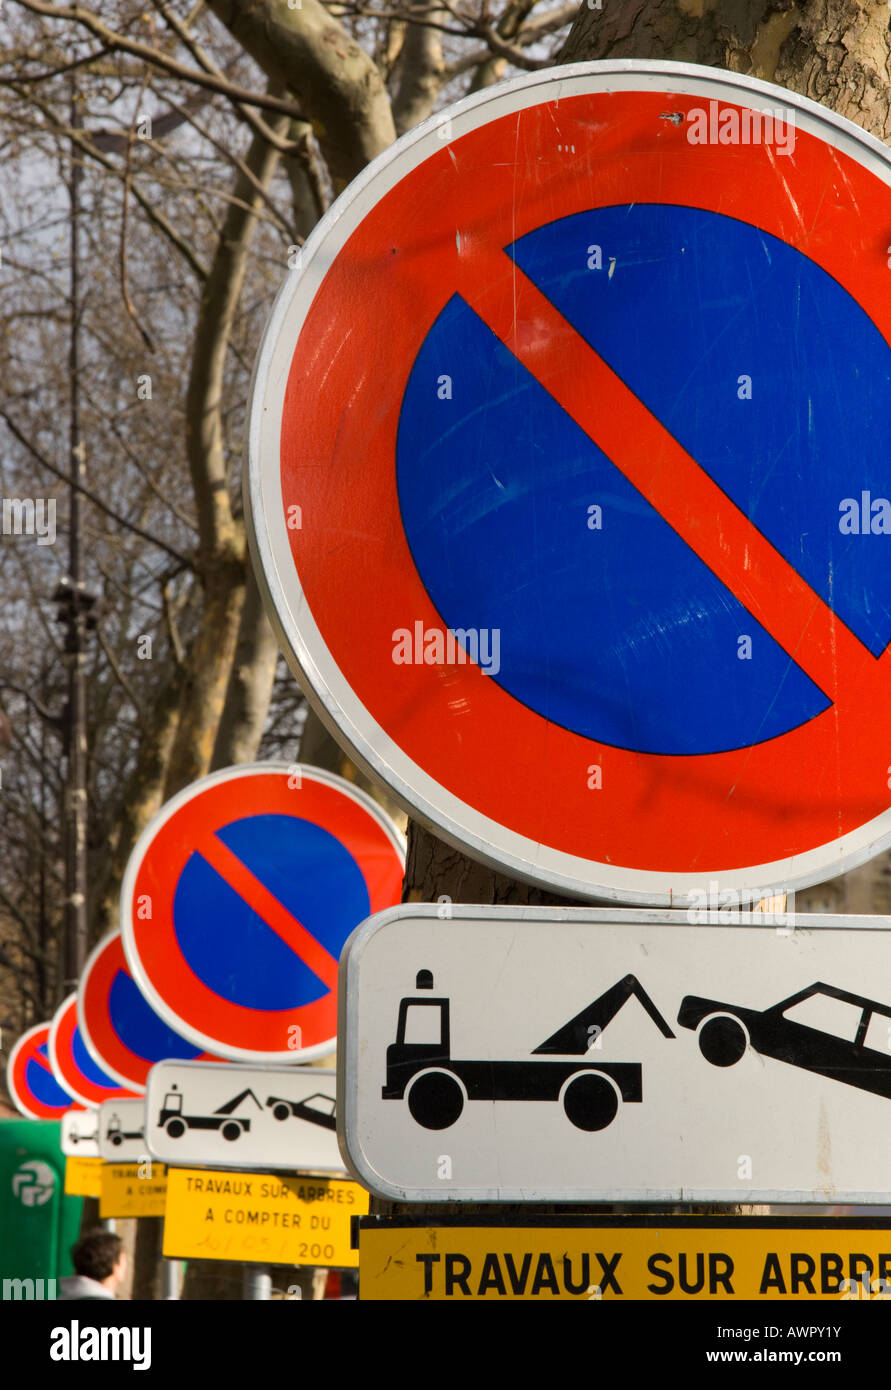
266 905
705 518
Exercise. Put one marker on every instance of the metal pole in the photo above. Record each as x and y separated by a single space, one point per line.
75 810
170 1277
257 1283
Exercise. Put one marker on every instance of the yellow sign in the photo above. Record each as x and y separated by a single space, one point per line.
83 1177
546 1263
133 1189
262 1218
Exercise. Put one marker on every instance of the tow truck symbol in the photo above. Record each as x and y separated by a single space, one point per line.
116 1135
230 1126
420 1066
76 1136
317 1109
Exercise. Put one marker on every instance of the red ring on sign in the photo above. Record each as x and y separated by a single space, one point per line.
797 792
186 996
104 1044
61 1050
24 1051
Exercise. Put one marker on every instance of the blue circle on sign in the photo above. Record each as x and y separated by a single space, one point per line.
228 944
138 1026
607 623
85 1064
42 1083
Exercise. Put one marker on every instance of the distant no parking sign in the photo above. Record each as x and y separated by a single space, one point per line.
122 1032
30 1080
238 898
568 484
73 1066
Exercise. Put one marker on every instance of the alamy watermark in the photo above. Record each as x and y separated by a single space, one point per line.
431 646
741 125
29 1289
29 516
727 905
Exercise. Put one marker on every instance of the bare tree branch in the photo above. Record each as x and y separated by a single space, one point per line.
92 496
117 42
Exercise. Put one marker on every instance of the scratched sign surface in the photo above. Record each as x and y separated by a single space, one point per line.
581 381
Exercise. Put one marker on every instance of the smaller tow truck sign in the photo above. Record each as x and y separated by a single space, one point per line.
233 1116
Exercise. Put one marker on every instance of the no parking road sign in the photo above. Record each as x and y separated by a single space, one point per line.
121 1030
238 898
30 1080
567 480
72 1065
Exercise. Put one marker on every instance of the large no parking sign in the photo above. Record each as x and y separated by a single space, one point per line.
238 898
568 480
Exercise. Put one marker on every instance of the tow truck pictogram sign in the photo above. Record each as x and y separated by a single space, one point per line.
230 1115
683 1079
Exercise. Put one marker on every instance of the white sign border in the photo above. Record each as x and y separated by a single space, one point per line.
351 723
230 774
351 1042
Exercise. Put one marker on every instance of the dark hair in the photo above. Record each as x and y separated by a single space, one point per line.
96 1254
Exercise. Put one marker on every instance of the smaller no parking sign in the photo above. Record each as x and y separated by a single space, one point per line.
238 898
72 1065
121 1030
30 1079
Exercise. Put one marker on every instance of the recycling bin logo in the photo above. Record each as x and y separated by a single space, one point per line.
33 1183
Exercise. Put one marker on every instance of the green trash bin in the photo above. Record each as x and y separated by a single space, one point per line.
38 1223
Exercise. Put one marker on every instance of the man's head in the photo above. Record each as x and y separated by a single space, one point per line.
100 1255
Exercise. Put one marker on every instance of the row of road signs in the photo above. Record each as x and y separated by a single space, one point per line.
222 1115
745 1062
602 430
236 903
253 1216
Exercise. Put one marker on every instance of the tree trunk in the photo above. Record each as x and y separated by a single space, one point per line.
337 84
222 550
833 51
250 685
143 799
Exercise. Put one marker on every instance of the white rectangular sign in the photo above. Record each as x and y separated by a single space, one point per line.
122 1130
232 1116
80 1133
574 1054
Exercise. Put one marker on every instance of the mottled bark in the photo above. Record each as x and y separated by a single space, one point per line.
142 799
337 84
250 685
834 51
420 73
222 557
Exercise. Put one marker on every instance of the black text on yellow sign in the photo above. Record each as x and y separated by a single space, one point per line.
460 1264
262 1218
83 1177
133 1189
